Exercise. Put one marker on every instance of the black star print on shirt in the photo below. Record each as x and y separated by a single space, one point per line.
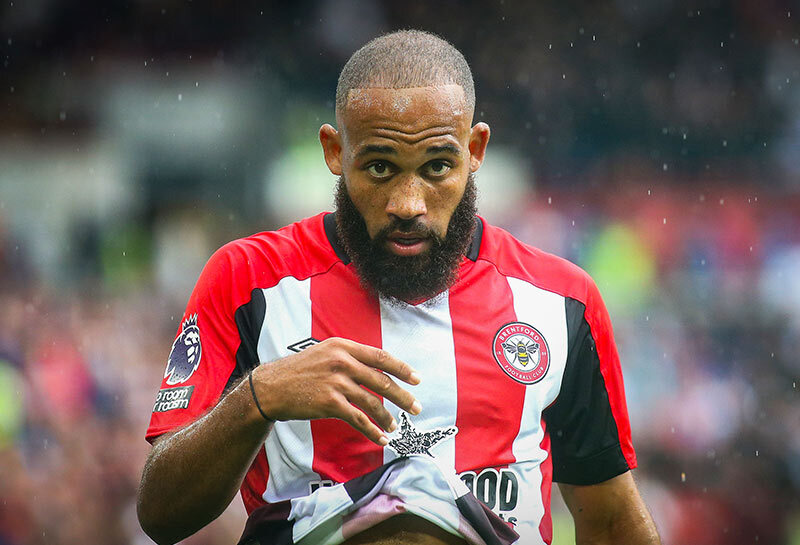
410 441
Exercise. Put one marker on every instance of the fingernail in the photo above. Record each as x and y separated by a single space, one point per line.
383 441
416 408
392 425
414 377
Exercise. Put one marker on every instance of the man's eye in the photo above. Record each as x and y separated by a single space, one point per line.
379 170
438 168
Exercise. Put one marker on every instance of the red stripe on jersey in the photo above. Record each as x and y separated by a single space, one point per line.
552 273
256 479
489 408
546 467
339 310
225 284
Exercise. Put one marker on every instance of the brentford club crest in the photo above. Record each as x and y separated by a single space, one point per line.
522 352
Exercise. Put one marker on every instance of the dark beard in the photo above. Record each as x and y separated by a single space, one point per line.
406 278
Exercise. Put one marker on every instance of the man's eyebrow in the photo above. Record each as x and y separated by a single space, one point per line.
373 148
444 148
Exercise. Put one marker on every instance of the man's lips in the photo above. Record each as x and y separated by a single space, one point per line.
407 244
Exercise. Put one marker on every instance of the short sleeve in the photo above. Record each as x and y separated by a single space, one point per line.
588 422
203 355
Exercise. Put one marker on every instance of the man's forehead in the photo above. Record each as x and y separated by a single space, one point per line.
412 105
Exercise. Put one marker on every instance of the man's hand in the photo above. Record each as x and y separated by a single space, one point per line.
610 512
336 379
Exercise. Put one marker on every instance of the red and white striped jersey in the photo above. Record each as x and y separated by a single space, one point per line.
518 355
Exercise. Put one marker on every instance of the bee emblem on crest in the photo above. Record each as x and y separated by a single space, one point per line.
523 352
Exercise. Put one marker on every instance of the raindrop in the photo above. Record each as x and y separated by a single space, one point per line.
197 84
665 221
664 167
724 143
549 200
549 46
180 97
649 192
573 223
703 262
722 201
702 198
563 76
683 477
62 115
123 254
756 452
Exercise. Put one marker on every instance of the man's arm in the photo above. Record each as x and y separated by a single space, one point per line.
611 512
192 475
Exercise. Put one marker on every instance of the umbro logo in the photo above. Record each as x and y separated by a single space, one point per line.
299 346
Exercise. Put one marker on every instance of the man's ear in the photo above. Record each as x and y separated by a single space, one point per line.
478 140
331 142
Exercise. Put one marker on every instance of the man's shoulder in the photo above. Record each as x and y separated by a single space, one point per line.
516 259
300 249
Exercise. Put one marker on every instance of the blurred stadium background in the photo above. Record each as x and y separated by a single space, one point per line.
654 142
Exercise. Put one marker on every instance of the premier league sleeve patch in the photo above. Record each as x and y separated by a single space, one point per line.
185 354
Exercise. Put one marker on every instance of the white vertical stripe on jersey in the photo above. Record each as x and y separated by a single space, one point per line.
422 336
289 447
545 311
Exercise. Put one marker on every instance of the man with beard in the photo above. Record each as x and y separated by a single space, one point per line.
424 376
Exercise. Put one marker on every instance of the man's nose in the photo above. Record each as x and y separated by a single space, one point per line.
407 199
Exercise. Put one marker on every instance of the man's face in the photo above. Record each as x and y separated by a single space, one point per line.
404 157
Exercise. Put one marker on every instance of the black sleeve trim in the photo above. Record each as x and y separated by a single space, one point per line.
600 467
248 318
583 433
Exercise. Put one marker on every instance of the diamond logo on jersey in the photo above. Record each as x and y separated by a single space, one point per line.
185 354
299 346
410 441
522 352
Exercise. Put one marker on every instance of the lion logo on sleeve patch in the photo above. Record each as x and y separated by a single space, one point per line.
521 352
185 354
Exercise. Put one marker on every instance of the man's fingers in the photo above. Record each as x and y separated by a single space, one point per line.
383 360
359 421
372 406
383 385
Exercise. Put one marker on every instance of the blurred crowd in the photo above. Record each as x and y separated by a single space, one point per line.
660 144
